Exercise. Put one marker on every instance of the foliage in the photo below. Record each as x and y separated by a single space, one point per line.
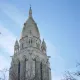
72 75
4 74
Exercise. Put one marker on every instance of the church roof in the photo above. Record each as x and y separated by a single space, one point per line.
30 26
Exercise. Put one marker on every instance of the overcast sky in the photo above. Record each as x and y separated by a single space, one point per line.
58 22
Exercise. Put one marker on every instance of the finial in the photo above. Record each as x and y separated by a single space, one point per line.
30 11
30 6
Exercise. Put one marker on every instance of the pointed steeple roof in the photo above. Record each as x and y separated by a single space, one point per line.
30 25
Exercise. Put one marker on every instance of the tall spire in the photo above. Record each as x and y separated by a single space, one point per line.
30 12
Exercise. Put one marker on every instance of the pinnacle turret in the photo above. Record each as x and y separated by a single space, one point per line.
43 46
16 47
16 43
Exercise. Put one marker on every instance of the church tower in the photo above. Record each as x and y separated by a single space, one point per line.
30 60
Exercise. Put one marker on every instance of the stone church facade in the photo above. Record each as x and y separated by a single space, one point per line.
30 60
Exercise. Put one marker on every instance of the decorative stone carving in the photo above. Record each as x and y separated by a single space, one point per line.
34 65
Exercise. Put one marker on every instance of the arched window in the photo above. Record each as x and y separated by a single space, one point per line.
31 41
34 67
37 45
19 71
41 69
25 68
22 45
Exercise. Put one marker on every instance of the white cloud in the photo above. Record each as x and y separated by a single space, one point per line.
7 40
56 77
3 63
51 49
56 58
12 12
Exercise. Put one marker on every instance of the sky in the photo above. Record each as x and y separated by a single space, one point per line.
58 22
